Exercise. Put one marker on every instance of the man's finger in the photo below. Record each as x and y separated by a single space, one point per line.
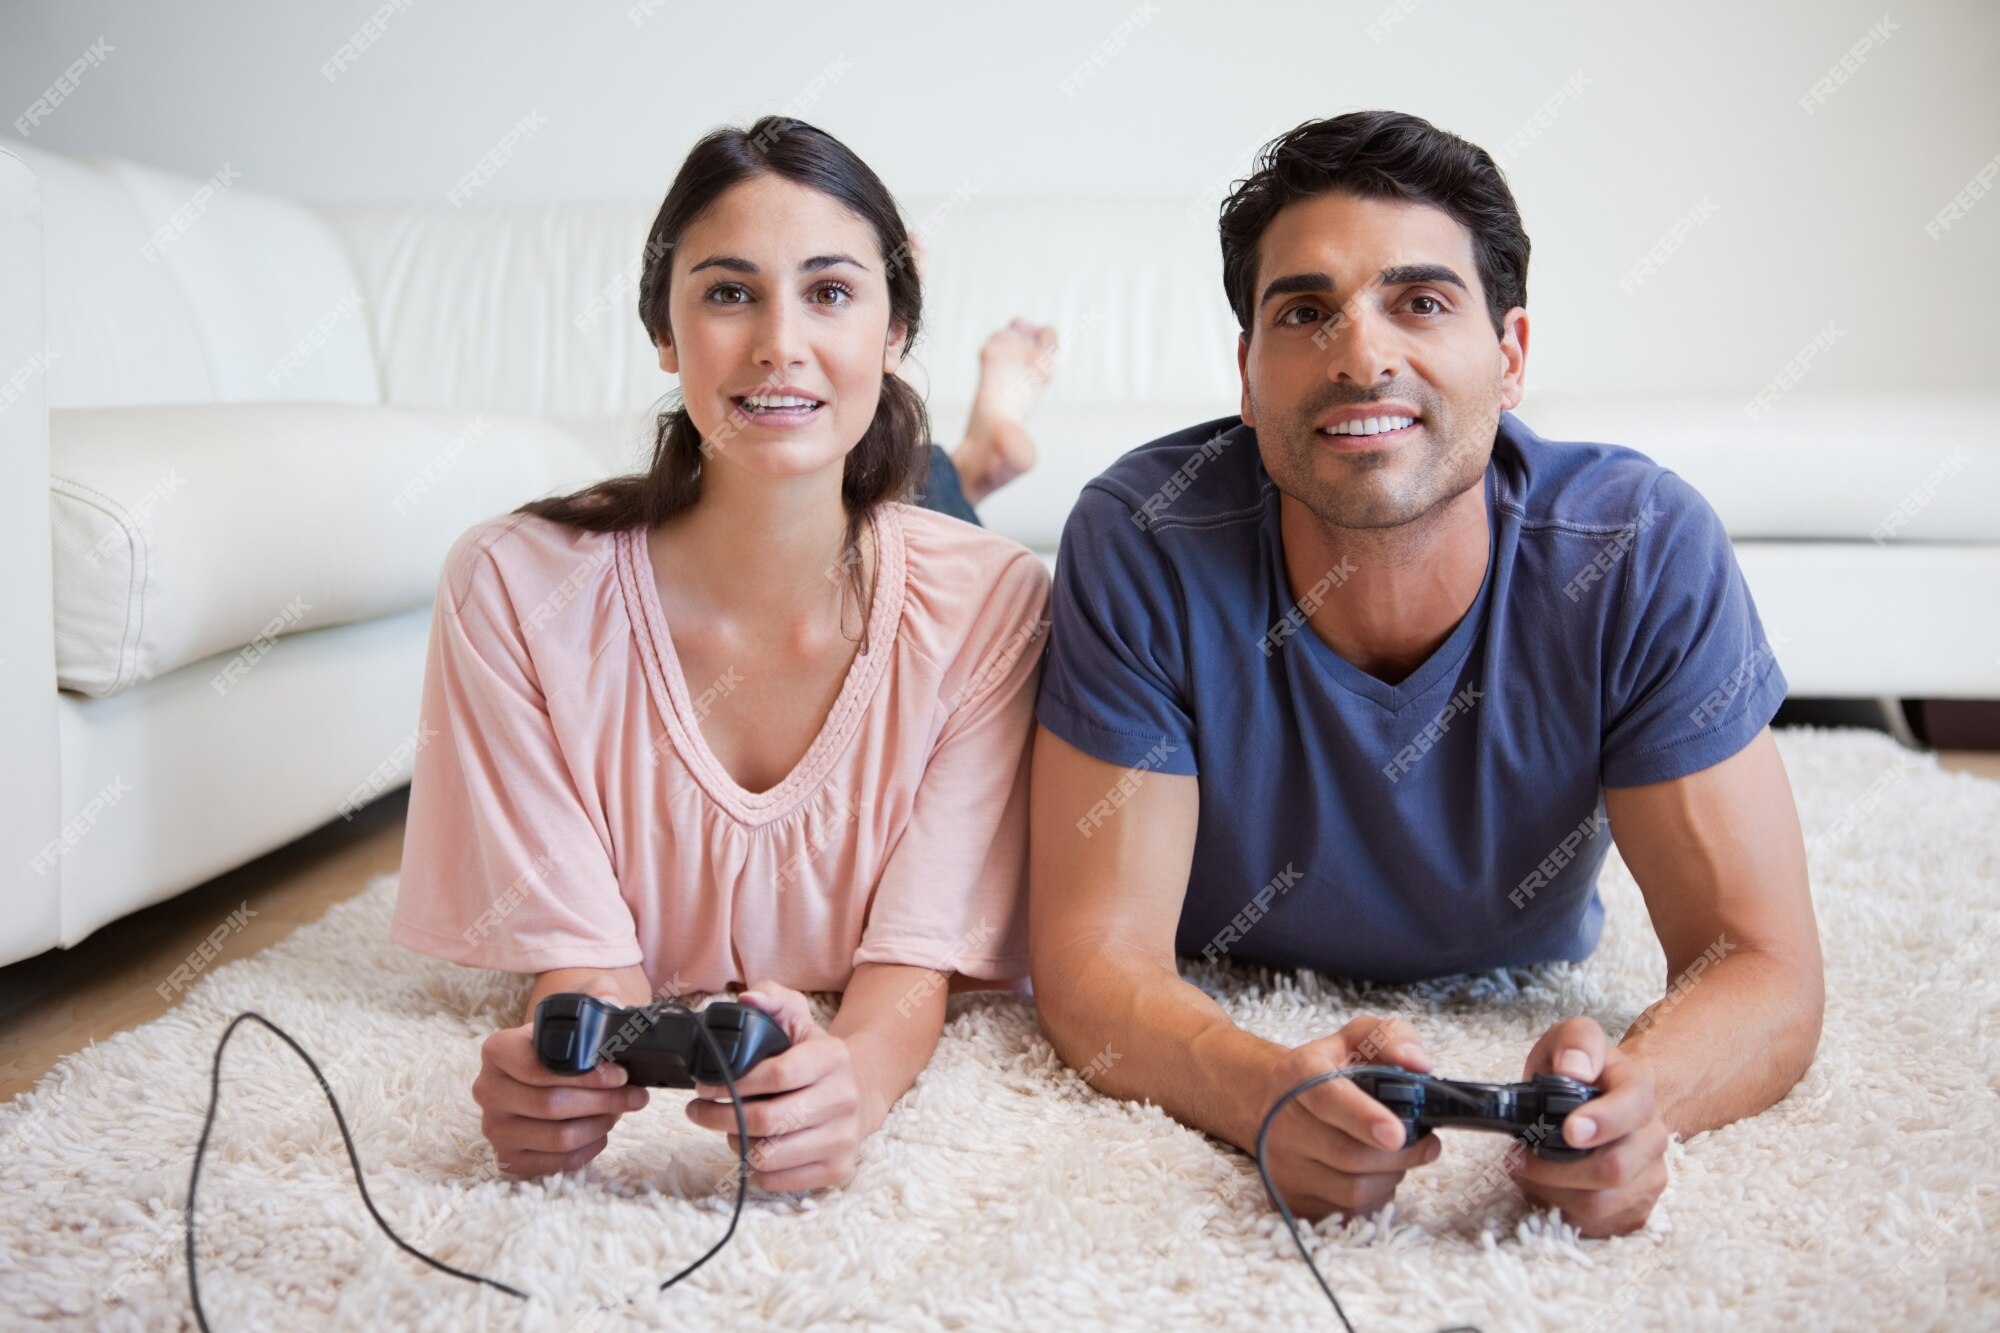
1342 1153
1384 1041
1574 1047
1344 1190
1601 1211
1615 1165
1340 1105
1626 1104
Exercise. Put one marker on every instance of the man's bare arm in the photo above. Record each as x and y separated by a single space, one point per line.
1722 863
1102 917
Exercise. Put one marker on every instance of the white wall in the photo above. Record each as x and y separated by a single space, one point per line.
1818 218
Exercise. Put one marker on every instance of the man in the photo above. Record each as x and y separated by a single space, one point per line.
1357 683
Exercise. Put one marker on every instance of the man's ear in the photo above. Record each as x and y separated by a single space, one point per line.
892 350
1243 373
1513 358
669 360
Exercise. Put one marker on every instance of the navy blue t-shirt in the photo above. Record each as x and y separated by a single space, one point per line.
1451 822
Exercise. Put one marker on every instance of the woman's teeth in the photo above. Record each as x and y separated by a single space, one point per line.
1371 426
778 403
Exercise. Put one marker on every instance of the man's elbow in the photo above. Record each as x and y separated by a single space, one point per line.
1805 1013
1062 1006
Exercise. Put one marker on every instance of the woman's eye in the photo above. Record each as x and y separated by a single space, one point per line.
732 290
833 293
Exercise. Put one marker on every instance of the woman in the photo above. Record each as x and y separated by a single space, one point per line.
746 717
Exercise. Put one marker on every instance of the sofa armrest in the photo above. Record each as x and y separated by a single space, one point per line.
31 814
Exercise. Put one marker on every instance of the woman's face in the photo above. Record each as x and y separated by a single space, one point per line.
780 325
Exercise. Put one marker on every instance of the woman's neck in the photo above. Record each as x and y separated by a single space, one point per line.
765 548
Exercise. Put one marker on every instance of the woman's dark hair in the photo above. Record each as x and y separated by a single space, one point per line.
890 456
1379 155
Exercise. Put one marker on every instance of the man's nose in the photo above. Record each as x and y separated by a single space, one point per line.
1361 347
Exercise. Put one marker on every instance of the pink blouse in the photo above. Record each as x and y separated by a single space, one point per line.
566 812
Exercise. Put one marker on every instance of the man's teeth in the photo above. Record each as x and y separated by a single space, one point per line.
1371 426
779 403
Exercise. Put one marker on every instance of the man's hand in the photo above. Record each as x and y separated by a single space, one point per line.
803 1108
1335 1146
1613 1190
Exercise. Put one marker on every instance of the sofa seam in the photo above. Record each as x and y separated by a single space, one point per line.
129 640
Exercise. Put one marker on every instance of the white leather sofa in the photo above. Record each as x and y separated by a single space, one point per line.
237 435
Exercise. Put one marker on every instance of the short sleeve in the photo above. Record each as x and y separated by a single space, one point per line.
1117 643
953 892
1690 675
504 865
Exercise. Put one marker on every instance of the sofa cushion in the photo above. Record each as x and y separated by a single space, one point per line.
180 532
119 329
1877 468
274 292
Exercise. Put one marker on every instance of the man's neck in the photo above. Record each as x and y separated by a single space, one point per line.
1385 599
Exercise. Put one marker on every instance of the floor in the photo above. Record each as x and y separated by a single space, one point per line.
63 1000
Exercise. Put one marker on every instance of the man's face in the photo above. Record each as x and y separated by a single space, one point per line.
1373 308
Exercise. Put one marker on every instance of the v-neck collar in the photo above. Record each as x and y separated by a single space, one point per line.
1443 661
670 691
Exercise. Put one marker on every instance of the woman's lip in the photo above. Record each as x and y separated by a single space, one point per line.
1362 443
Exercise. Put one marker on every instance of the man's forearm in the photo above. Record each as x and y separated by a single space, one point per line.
1135 1030
1729 1039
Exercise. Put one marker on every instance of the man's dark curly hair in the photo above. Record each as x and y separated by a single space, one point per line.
1379 155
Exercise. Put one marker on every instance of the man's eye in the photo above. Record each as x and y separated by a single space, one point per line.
840 293
1312 314
1432 299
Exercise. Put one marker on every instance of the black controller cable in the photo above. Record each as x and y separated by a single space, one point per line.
1264 1170
215 1093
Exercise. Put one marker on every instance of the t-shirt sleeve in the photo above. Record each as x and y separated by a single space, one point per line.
1113 686
1691 677
504 865
953 893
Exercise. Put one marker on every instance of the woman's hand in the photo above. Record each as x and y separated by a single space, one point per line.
805 1108
540 1122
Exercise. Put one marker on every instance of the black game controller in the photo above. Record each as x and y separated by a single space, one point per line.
1532 1112
656 1043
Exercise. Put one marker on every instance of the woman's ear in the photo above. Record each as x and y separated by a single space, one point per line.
669 362
892 350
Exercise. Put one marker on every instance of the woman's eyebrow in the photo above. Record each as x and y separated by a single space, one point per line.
813 265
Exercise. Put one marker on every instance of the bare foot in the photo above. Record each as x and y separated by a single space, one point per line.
1014 368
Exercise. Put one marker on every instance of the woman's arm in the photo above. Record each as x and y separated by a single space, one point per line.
620 985
808 1109
890 1017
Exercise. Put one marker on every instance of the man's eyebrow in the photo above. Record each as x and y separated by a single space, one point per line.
813 265
1397 276
1403 275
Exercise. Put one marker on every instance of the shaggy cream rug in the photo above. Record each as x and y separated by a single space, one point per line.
1005 1193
